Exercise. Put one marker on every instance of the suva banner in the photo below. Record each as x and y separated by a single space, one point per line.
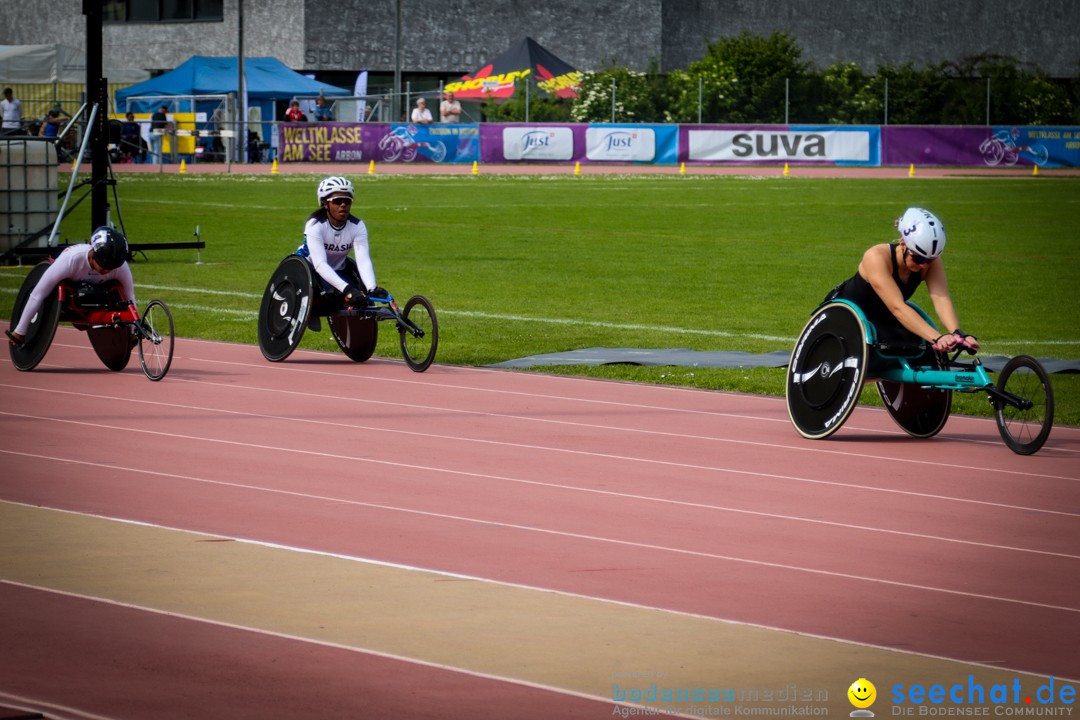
854 145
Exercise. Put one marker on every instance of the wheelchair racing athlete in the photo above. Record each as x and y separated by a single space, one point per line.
329 233
102 259
889 274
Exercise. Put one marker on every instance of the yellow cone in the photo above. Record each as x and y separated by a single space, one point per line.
371 168
273 168
682 168
911 170
475 168
577 168
183 167
1034 169
787 170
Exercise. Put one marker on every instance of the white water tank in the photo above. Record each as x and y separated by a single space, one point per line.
28 189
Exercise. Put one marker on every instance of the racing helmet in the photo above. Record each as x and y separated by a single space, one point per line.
922 232
334 184
110 247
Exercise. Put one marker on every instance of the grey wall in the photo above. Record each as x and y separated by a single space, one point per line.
1045 33
450 37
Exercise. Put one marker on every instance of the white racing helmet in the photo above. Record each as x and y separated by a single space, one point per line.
334 184
922 232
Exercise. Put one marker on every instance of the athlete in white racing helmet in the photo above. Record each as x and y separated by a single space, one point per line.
334 184
922 233
890 273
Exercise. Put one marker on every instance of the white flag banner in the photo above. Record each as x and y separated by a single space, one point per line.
360 90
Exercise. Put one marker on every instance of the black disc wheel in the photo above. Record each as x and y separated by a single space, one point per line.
112 344
356 335
284 310
419 333
825 373
920 411
1025 429
156 341
42 328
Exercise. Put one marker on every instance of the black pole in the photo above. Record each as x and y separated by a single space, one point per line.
97 91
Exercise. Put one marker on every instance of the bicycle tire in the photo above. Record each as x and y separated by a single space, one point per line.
1025 431
156 353
419 352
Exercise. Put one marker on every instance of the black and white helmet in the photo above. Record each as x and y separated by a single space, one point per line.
922 232
110 247
334 184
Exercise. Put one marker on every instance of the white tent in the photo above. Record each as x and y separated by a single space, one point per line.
27 64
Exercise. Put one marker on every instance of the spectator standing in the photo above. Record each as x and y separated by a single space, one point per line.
420 113
131 139
449 109
11 112
158 121
322 111
294 113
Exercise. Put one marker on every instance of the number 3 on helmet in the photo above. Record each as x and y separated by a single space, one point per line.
334 184
922 232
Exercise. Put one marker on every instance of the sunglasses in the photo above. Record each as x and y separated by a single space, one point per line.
919 259
339 201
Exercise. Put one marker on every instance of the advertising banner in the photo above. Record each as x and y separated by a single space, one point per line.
654 144
834 145
406 142
982 146
396 142
549 143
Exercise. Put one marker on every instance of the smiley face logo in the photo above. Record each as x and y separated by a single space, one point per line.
862 693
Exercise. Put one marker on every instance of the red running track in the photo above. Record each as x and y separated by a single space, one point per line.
952 547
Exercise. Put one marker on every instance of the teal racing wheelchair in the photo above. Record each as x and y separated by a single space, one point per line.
295 301
839 351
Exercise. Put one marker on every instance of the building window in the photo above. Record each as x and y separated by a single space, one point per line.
163 11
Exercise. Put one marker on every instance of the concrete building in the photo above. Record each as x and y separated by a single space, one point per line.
428 40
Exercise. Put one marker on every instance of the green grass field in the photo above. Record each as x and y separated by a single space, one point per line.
521 265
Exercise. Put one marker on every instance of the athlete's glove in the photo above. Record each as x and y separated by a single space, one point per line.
378 293
968 341
355 298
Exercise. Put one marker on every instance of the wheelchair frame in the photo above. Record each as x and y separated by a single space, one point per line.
1024 423
292 296
112 323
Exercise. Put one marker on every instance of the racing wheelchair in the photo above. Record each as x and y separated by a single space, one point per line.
110 320
839 349
294 300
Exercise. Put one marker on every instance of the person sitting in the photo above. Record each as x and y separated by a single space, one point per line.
50 127
329 233
889 275
102 259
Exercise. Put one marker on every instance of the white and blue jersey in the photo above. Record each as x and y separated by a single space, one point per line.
327 248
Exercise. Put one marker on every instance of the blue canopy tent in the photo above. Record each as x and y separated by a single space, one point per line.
267 79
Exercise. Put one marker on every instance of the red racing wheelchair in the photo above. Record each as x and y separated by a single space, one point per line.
110 320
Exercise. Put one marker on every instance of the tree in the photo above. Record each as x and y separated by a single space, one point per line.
741 79
634 100
541 108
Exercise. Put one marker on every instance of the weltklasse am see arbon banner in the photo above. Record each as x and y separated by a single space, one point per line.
994 146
